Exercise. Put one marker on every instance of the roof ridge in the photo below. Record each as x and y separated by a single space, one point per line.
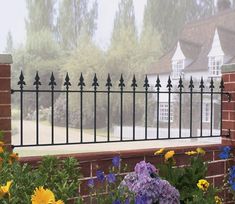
226 29
190 42
198 22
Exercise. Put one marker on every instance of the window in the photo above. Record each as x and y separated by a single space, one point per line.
163 112
215 64
177 67
206 112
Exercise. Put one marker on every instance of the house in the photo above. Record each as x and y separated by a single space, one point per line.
202 48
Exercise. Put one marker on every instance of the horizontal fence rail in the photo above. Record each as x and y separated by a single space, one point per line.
120 92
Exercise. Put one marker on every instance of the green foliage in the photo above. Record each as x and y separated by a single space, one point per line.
61 176
75 19
40 15
185 179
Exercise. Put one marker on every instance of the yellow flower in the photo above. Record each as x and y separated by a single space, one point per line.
160 151
1 143
1 149
200 151
191 153
44 196
13 157
169 155
5 189
203 184
218 200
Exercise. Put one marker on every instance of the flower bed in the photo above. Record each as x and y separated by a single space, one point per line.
56 180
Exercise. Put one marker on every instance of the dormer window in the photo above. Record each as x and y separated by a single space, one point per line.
178 62
177 68
215 64
215 56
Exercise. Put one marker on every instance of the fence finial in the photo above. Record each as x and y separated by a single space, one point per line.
221 84
134 84
121 84
180 86
201 86
81 82
191 85
37 82
95 82
146 83
109 83
211 84
158 83
21 81
67 81
169 84
52 82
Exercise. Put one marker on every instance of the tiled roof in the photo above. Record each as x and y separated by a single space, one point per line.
196 39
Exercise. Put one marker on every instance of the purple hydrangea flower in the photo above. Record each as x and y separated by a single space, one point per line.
142 168
111 178
100 175
148 189
91 183
116 161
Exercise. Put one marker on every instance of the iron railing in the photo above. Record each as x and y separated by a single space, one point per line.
180 90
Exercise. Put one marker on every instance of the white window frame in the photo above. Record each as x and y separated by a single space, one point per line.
206 112
163 112
215 64
177 68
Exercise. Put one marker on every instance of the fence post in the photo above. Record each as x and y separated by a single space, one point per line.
5 97
228 107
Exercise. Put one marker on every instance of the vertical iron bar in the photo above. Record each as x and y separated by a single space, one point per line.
191 86
37 83
21 82
81 84
121 85
211 118
108 85
134 85
67 84
67 115
180 86
52 83
221 102
146 85
158 85
201 87
95 84
21 116
169 86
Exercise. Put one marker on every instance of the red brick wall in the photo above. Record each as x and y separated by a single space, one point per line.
89 161
228 114
5 97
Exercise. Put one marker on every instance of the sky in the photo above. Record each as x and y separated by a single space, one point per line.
13 14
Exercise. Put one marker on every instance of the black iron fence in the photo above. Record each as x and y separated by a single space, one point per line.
181 89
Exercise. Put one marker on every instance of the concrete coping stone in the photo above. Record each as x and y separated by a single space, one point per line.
228 68
6 59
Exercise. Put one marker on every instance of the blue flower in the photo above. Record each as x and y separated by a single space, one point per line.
225 154
91 183
127 201
140 200
233 186
111 178
116 161
100 175
117 202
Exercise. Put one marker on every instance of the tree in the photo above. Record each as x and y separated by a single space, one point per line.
74 20
40 15
9 45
